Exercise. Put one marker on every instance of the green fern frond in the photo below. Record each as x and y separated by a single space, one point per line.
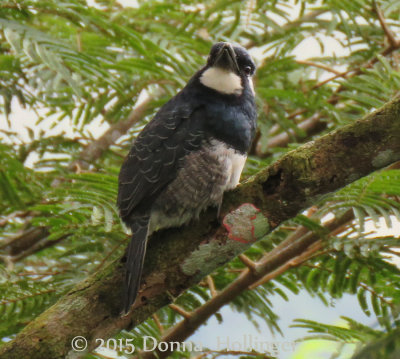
373 196
346 333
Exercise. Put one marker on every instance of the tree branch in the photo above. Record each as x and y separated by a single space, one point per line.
393 42
319 65
178 258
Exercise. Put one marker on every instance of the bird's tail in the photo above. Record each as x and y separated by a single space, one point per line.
134 261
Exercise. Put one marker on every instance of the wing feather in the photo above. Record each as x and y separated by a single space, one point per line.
156 155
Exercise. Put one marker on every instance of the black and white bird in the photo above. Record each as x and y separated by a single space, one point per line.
189 154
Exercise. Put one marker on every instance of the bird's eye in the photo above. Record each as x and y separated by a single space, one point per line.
247 70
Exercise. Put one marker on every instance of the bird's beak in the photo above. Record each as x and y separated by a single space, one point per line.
226 59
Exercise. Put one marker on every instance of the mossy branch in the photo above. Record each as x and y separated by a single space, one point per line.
179 258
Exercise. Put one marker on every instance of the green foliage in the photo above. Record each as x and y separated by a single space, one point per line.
24 295
19 186
373 197
370 343
77 65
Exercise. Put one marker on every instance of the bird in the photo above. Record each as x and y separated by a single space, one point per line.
188 155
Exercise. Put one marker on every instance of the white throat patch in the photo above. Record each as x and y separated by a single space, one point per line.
222 81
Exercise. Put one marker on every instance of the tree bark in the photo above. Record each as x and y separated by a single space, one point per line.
178 258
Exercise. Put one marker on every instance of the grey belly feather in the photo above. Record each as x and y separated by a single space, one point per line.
201 182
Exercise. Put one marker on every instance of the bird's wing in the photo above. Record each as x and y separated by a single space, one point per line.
156 156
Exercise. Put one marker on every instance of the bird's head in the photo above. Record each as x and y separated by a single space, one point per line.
229 69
